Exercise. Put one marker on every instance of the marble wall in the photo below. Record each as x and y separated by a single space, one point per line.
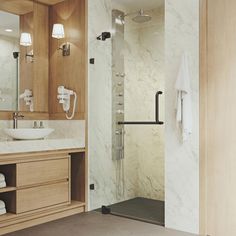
144 69
101 167
8 78
106 174
182 159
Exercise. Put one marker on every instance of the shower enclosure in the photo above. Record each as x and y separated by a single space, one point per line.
138 130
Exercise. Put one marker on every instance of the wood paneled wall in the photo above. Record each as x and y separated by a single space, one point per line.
69 71
50 69
26 67
17 7
41 55
218 115
35 75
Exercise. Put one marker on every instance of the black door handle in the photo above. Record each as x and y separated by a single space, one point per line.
156 122
157 108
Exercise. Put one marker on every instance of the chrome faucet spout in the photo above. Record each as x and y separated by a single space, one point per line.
15 118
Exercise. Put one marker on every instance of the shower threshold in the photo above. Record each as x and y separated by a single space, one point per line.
142 209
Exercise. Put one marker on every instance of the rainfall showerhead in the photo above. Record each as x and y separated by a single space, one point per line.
141 17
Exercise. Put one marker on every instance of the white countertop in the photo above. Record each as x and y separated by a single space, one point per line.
9 147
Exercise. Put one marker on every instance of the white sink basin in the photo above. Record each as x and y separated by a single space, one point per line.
28 134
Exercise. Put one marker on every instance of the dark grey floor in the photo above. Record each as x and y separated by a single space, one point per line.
96 224
142 209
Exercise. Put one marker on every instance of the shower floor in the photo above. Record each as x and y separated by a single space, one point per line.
143 209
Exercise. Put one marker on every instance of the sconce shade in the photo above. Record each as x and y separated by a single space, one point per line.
25 39
58 31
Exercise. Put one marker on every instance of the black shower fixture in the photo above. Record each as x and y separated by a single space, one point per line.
156 122
15 55
104 36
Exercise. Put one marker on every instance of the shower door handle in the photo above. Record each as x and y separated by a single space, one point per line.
157 107
156 122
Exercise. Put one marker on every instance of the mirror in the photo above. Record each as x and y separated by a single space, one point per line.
16 18
27 73
9 61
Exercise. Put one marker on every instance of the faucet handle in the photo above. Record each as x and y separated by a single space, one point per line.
17 115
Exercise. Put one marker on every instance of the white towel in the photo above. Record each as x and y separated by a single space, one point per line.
184 99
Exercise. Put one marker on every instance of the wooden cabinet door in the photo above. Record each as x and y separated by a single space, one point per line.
35 198
41 172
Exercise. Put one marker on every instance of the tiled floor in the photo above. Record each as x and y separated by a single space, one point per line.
96 224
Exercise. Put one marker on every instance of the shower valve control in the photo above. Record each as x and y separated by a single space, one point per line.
120 74
120 112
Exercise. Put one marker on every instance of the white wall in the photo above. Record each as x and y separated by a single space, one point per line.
182 160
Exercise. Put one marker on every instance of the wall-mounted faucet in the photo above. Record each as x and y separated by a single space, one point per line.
15 118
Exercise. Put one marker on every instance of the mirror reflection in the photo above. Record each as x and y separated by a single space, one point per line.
9 60
16 57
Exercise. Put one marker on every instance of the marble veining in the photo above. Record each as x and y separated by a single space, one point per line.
182 159
144 68
8 147
101 167
67 135
104 172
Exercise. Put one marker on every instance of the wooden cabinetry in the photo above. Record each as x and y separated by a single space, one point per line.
42 186
34 198
38 172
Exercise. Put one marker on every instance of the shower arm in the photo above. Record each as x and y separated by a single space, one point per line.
157 122
133 13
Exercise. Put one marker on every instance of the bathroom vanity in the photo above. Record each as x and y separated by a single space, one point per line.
46 179
42 186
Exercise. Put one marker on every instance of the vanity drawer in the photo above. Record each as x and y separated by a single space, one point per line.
40 197
40 172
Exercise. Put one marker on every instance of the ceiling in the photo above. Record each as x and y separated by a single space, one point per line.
16 7
9 21
21 7
138 4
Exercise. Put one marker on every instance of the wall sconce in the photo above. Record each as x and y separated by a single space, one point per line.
26 41
59 33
